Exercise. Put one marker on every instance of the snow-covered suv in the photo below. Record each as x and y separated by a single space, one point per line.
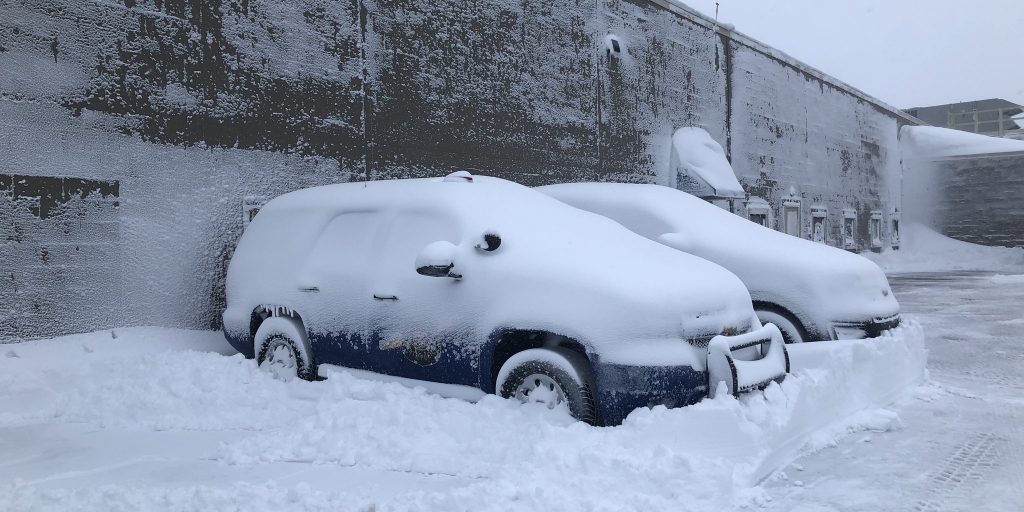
809 290
482 283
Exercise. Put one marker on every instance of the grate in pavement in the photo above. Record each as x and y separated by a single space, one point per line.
968 464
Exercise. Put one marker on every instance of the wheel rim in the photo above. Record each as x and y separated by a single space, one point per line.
280 360
538 388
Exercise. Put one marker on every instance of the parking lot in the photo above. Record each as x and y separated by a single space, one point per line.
169 419
961 444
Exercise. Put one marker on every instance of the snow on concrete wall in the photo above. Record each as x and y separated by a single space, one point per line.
798 138
134 244
191 106
57 234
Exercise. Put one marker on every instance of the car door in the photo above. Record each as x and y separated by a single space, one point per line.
336 287
422 327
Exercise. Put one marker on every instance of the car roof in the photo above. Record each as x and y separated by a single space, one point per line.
671 207
441 193
661 210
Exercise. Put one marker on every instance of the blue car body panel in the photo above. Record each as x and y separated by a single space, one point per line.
620 389
426 359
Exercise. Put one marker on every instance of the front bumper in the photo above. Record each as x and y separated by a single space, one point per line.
747 361
744 362
842 330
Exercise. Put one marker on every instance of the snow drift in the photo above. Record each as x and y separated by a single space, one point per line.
187 428
925 250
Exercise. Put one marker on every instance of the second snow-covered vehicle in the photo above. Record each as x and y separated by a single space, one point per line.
809 290
482 283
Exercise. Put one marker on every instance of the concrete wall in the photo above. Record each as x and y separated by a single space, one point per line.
191 106
977 199
56 230
798 137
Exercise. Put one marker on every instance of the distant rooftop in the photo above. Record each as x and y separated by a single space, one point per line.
995 117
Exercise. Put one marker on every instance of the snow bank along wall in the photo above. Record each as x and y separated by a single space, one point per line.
975 198
173 111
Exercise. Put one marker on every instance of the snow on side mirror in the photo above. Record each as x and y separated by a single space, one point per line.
490 243
437 259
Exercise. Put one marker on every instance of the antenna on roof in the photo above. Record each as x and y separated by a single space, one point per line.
716 13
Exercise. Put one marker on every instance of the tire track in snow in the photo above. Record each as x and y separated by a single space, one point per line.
969 464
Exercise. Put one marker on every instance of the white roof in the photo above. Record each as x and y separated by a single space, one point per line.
928 142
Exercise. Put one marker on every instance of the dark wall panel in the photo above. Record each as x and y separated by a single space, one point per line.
193 106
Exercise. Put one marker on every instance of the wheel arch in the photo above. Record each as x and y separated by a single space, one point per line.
264 311
762 305
503 343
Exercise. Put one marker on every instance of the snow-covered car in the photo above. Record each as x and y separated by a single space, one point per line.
486 286
809 290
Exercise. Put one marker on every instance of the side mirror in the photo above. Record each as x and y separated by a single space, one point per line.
491 241
437 259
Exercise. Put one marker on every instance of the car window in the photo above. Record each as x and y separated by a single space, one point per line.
408 233
346 243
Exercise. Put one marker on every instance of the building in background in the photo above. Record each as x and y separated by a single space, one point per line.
135 132
994 117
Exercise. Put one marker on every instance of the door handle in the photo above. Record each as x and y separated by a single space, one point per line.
385 297
309 288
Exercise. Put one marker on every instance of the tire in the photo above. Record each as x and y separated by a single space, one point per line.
279 338
792 331
531 373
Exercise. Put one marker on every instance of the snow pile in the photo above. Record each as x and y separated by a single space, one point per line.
160 399
702 158
925 250
928 142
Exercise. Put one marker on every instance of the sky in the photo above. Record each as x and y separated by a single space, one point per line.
908 53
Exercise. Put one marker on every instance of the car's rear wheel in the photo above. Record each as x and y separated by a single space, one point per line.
551 377
282 348
791 331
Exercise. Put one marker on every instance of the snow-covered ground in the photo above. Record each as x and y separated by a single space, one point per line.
924 250
157 419
959 444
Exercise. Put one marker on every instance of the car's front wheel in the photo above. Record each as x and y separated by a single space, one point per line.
551 377
791 331
282 348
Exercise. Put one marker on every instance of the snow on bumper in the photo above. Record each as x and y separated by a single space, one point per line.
729 361
666 377
864 329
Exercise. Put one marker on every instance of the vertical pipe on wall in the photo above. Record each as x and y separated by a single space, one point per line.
727 51
366 107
